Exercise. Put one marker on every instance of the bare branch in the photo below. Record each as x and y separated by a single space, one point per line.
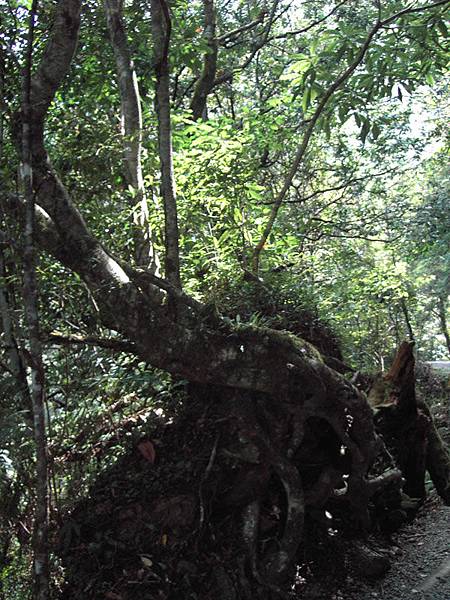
310 26
55 337
336 188
223 39
257 46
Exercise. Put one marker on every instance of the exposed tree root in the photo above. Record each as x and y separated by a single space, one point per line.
269 467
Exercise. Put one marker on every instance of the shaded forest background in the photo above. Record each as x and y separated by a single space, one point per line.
287 161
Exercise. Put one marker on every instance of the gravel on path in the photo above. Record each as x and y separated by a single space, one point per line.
420 566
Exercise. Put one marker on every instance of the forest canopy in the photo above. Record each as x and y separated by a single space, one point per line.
181 183
247 85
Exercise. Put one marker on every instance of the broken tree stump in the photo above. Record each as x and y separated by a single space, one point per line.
408 428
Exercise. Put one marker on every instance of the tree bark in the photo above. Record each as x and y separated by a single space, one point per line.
205 82
437 458
443 321
144 252
402 423
30 295
405 312
161 27
408 428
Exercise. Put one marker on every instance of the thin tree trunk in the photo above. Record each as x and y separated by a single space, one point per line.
161 27
15 358
443 320
405 312
205 83
40 538
2 103
144 252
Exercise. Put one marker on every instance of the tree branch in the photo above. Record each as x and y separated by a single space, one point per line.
223 39
339 187
55 337
311 25
228 75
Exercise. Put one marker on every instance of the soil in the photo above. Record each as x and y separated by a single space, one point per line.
420 561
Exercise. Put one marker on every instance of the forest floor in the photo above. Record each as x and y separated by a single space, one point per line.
420 563
419 552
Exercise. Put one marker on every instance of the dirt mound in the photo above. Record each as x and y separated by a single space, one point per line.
166 521
131 537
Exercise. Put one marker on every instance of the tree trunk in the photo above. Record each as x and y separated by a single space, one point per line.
144 252
161 27
408 427
443 320
30 296
205 82
407 319
437 458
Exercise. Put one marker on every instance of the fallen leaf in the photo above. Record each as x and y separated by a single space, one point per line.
147 449
164 539
146 561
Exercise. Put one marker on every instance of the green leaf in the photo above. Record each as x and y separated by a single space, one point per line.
343 113
375 131
306 100
429 78
365 130
442 28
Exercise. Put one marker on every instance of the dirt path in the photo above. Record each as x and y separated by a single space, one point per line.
420 564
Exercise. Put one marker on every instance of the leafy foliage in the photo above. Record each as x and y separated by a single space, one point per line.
361 243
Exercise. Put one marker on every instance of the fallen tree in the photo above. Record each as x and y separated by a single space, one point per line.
288 374
292 426
222 502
